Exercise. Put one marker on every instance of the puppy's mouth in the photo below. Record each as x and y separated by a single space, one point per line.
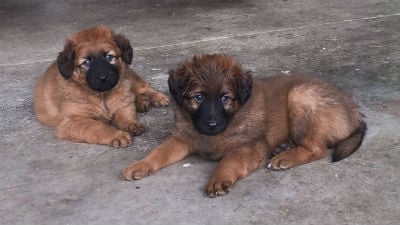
102 76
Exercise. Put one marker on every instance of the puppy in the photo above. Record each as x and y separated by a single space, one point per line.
89 94
222 114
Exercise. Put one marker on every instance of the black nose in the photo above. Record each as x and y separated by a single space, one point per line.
102 78
212 124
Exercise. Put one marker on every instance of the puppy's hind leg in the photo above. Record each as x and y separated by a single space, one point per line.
145 94
125 119
304 153
310 143
157 98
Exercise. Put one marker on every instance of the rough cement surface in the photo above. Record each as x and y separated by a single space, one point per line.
355 44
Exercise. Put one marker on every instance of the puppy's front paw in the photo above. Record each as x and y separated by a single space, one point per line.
120 139
135 128
142 103
216 188
136 171
159 99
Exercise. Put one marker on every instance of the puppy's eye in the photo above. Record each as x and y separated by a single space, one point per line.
198 98
109 57
86 64
224 99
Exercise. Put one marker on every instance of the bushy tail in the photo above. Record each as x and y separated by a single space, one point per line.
350 144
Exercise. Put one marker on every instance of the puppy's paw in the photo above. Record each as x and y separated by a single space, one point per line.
216 188
120 139
159 99
135 128
282 148
280 162
142 103
136 171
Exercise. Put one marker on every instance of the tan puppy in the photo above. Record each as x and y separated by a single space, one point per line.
223 114
90 94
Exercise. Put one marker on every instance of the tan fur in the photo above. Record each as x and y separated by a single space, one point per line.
302 109
81 114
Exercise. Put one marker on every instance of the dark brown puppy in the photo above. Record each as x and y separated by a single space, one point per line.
224 115
91 87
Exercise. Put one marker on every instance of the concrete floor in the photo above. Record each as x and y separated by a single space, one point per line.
353 43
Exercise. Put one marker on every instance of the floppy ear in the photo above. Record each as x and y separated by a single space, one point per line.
65 60
244 84
125 47
177 85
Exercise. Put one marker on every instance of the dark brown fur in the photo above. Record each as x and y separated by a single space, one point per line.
310 113
63 99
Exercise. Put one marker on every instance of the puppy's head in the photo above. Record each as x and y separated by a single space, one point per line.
211 88
95 57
